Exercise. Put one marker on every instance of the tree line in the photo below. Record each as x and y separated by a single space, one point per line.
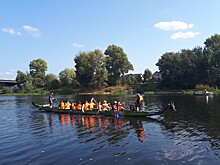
93 70
190 67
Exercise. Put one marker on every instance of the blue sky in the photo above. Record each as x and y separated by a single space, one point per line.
57 30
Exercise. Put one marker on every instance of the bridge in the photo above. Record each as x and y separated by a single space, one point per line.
7 82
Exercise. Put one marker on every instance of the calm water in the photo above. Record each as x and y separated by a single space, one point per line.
189 136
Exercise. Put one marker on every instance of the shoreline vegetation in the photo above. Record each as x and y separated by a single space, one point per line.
96 72
112 90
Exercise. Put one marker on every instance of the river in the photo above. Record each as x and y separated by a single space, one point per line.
191 135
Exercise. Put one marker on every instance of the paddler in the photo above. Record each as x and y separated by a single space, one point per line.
139 101
51 98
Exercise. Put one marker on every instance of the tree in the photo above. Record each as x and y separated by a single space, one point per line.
147 75
49 78
117 64
38 70
68 77
24 81
212 49
21 78
90 69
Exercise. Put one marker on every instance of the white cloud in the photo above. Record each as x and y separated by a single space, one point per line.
184 35
11 31
9 73
32 30
78 45
173 25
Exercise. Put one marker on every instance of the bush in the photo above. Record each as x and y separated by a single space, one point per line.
6 90
201 87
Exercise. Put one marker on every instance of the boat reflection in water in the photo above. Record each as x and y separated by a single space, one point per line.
112 129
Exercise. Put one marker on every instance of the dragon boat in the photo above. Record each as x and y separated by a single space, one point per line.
128 112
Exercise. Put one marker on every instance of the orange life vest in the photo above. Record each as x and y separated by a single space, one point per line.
105 106
67 106
86 106
91 105
79 106
62 106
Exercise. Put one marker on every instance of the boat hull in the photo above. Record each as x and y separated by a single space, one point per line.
95 112
203 93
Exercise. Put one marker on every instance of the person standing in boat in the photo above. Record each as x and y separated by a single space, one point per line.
51 98
139 102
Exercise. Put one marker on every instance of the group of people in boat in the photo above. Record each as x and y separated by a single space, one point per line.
94 105
91 105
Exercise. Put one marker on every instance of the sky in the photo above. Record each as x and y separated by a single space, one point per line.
58 30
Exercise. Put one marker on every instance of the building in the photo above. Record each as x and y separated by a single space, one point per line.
157 76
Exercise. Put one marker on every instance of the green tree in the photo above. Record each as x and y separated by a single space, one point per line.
24 82
68 77
212 50
55 84
147 75
117 64
38 70
49 78
90 69
21 78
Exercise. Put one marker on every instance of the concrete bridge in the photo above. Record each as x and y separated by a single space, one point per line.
7 82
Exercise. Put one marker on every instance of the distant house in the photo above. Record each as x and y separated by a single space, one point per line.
157 76
11 83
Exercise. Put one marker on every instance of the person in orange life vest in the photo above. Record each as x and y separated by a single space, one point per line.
67 105
105 106
99 106
139 101
92 104
86 106
79 106
120 107
73 106
61 105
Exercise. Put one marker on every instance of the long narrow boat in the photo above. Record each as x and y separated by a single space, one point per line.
46 108
203 93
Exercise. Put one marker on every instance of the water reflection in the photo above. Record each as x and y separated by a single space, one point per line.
190 136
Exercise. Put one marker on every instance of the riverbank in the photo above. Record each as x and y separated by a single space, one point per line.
112 90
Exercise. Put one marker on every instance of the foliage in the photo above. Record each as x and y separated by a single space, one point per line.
68 77
117 64
5 90
55 84
38 70
201 87
22 78
90 69
49 78
147 75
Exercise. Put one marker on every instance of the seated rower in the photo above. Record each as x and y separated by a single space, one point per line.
120 107
79 106
86 106
105 106
61 105
67 105
115 106
100 106
92 104
73 106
